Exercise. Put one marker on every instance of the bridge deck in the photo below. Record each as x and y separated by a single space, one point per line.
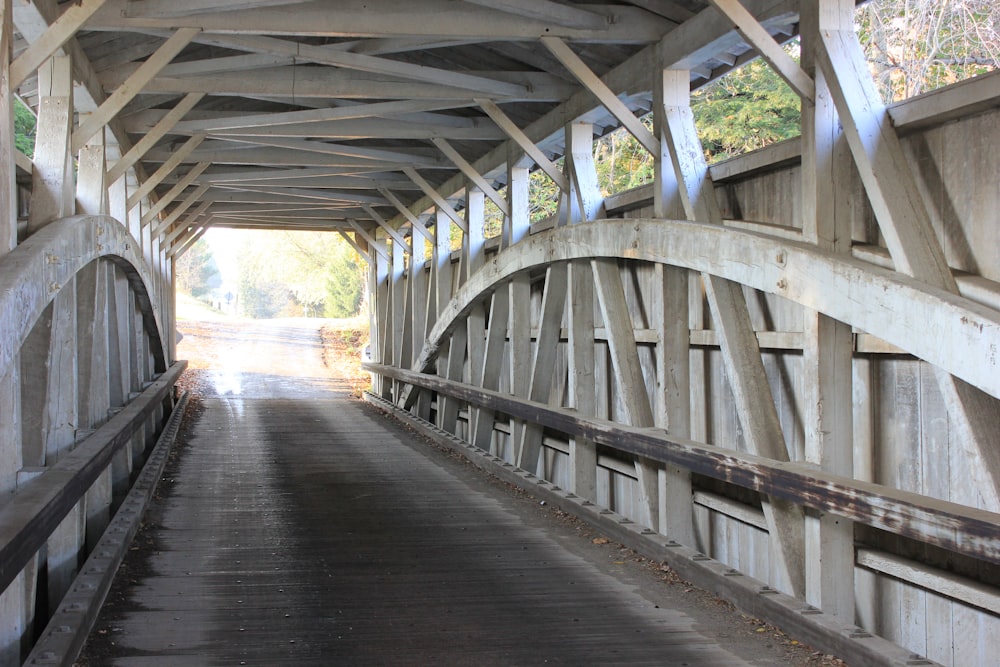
310 528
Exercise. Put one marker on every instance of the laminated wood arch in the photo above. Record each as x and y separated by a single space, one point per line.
949 331
36 270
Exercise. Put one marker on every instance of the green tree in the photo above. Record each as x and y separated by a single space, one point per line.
196 271
24 129
345 283
286 273
747 109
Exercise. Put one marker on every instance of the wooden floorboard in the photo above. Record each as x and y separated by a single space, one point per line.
316 531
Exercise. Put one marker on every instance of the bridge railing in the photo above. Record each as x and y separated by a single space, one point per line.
819 420
85 389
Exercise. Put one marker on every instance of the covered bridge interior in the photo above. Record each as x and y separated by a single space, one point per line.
779 373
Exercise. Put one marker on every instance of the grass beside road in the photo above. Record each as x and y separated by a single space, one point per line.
343 343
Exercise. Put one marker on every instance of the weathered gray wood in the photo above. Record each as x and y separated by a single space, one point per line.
960 528
673 395
91 187
439 201
397 274
465 21
482 431
33 514
164 225
8 167
57 34
582 362
607 97
177 157
585 193
629 380
740 352
150 138
768 48
905 223
522 140
827 358
52 194
471 173
132 86
541 382
844 288
172 194
518 223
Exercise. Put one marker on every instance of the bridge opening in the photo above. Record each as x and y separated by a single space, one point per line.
776 372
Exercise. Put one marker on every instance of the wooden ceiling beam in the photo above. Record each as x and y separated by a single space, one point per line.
392 19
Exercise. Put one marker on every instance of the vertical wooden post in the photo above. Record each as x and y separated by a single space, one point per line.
585 201
671 309
828 344
94 382
443 284
379 341
475 218
518 223
419 294
91 188
582 387
397 273
59 426
52 177
15 602
540 382
738 341
627 368
492 359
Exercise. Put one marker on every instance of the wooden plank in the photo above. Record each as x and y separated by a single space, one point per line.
180 209
740 353
56 35
373 243
629 380
582 388
550 318
51 178
849 290
35 512
522 140
673 396
492 364
150 138
307 117
585 193
8 163
413 219
550 12
517 225
827 411
323 55
178 156
357 247
91 187
392 232
383 18
174 192
132 86
471 174
960 528
905 223
769 49
440 201
607 97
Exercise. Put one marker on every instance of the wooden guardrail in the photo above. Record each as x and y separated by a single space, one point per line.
32 514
